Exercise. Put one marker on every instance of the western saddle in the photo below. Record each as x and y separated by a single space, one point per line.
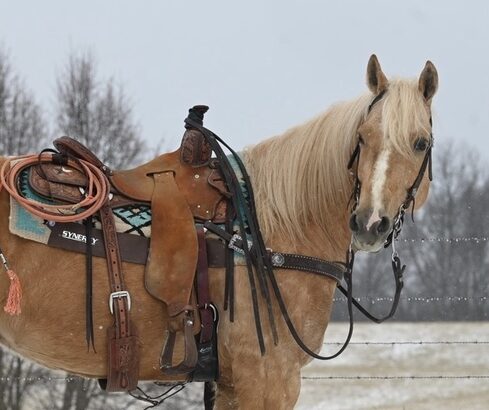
183 188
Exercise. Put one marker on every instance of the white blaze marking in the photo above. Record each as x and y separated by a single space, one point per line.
378 182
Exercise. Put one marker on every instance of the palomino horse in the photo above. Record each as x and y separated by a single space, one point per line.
302 190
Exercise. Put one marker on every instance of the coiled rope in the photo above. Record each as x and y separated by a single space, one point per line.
96 194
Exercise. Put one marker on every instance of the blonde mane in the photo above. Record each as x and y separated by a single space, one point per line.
405 115
301 178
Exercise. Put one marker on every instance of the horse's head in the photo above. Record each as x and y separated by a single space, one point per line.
392 160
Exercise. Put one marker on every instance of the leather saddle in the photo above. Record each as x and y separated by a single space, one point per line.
182 187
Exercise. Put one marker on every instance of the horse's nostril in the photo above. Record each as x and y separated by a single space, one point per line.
354 223
383 225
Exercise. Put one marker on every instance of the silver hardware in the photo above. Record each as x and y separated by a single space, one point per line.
3 259
394 250
51 223
196 176
232 244
213 308
120 294
278 259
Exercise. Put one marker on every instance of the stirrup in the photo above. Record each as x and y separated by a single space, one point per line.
191 355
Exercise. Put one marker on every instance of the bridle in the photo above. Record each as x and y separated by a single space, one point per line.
409 201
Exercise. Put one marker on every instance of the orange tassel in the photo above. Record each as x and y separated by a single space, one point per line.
12 307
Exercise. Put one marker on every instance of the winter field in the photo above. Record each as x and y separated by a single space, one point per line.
372 362
392 366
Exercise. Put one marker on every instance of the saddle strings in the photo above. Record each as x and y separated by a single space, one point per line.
243 213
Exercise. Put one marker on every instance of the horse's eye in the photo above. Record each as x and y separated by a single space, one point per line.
421 144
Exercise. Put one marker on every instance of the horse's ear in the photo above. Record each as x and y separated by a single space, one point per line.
376 79
428 81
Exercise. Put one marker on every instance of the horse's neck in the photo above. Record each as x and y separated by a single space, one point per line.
329 242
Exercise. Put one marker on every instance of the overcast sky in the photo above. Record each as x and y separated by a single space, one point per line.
261 65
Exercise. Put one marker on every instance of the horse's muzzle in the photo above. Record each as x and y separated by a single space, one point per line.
369 232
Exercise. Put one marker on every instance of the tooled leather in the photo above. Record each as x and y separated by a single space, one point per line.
70 146
57 182
195 150
123 361
123 356
114 266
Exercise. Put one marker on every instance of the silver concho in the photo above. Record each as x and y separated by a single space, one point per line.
278 259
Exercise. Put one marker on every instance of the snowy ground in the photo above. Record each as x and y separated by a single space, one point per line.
356 379
393 360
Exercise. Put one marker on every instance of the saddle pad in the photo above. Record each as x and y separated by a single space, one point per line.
133 224
131 219
21 222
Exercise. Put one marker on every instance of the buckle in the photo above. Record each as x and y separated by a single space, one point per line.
236 238
212 308
120 294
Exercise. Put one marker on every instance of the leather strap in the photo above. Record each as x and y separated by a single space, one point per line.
332 270
203 296
89 333
398 271
123 349
70 146
244 216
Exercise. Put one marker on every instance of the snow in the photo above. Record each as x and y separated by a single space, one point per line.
393 360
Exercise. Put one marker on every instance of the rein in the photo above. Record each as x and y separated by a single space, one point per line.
262 261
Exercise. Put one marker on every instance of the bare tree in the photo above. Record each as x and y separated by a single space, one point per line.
97 113
451 261
22 128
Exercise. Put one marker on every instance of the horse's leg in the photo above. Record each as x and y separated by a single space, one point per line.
271 384
251 381
226 397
